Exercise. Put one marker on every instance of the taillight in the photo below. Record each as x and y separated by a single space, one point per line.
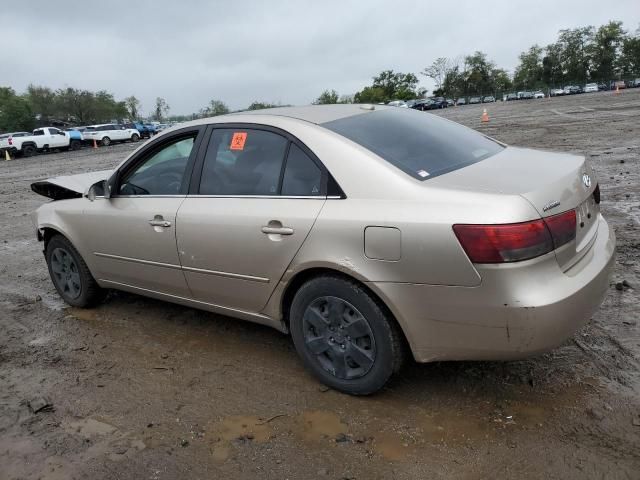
10 140
596 194
514 242
562 227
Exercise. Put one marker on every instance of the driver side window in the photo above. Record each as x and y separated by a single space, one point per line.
162 172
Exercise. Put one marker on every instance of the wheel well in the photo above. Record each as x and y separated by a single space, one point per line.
302 277
47 234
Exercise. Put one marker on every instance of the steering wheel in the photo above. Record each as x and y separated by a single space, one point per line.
172 180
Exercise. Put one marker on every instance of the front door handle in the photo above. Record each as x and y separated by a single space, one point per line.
159 221
277 230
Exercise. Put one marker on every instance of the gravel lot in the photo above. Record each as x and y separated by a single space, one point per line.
143 389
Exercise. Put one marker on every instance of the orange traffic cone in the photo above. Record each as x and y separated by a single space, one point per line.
95 144
485 116
617 90
7 155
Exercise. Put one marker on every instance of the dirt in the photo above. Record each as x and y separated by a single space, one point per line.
143 389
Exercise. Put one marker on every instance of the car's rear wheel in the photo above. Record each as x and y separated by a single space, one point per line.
135 137
74 145
70 274
344 336
106 141
28 151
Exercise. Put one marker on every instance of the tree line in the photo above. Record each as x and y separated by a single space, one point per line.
578 56
39 106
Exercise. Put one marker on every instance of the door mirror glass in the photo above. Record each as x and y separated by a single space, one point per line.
98 189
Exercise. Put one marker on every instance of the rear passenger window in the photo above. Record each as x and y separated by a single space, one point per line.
243 162
302 177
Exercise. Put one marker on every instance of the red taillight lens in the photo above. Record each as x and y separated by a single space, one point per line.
515 242
10 140
562 227
504 243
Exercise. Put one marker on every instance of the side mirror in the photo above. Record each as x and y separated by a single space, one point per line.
98 189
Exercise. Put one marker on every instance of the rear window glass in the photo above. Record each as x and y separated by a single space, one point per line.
420 144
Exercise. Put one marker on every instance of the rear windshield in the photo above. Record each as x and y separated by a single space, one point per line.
420 144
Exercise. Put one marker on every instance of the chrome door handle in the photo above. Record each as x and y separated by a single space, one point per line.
277 230
158 222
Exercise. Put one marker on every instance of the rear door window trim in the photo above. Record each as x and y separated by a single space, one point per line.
194 185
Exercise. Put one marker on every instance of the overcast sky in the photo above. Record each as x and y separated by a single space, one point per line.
275 51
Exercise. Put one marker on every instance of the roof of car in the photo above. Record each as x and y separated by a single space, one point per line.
317 113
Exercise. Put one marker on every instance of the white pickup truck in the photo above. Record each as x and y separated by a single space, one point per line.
47 138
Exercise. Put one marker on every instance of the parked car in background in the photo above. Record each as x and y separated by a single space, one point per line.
575 89
556 92
397 103
525 95
635 83
412 201
590 87
450 102
538 94
439 102
75 134
488 99
109 133
422 104
40 139
146 130
619 85
475 100
461 101
511 96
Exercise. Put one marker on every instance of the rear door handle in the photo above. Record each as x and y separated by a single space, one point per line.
277 230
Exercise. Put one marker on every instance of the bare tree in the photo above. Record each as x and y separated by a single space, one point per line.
133 107
161 109
438 71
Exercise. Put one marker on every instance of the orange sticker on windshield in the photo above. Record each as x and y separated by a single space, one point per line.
237 141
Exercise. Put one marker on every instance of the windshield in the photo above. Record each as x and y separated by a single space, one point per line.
420 144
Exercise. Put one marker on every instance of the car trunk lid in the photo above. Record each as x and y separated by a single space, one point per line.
551 182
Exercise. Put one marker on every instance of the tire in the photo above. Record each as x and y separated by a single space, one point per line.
74 145
70 275
105 142
135 137
344 336
28 151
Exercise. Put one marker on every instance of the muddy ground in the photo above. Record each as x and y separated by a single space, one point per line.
143 389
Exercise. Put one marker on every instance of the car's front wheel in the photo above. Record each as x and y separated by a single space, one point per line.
135 137
106 141
70 274
344 336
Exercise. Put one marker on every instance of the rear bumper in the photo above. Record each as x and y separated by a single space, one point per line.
518 310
